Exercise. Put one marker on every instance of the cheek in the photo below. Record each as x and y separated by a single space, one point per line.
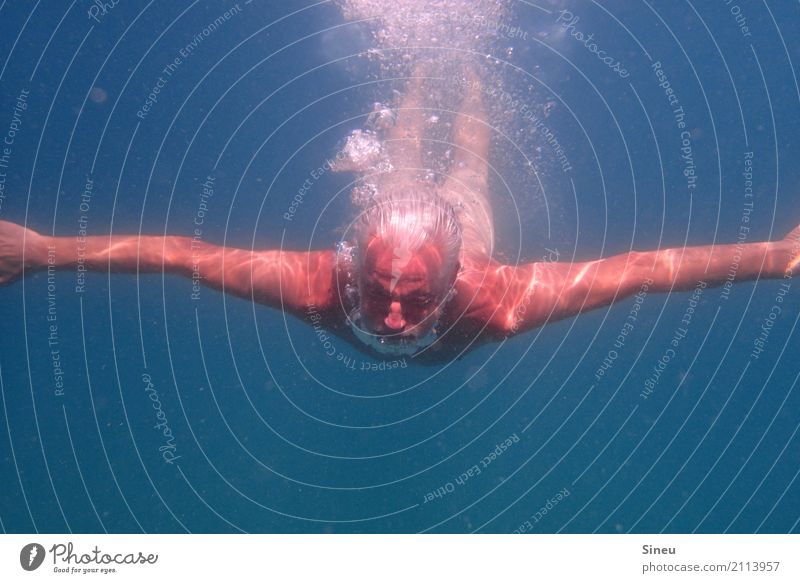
418 315
373 312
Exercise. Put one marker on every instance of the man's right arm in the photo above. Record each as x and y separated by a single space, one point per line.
289 280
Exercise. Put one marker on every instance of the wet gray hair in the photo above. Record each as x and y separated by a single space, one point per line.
413 219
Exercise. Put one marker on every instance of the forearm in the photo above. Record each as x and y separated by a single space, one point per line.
120 254
677 269
605 281
715 265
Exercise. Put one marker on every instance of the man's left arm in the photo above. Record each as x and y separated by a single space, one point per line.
536 293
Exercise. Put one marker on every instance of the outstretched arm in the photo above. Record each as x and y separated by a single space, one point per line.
536 293
281 279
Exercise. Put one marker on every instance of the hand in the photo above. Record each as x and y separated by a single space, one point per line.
790 245
11 250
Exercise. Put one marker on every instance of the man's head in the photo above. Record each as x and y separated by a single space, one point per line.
408 245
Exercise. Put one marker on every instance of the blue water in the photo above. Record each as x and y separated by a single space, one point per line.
272 435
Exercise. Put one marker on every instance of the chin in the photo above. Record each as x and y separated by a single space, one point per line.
398 344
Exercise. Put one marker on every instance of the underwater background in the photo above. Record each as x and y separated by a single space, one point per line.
140 404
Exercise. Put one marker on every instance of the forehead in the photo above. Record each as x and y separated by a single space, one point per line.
381 260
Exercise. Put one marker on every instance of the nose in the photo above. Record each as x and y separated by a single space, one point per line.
394 319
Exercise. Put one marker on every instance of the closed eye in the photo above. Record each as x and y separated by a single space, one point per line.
422 299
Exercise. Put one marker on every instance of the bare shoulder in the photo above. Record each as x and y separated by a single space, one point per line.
485 295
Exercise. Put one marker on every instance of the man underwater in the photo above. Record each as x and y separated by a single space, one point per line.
419 278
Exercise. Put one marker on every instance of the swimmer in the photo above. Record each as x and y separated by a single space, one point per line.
418 277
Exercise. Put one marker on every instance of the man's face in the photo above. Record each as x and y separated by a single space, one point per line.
401 291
